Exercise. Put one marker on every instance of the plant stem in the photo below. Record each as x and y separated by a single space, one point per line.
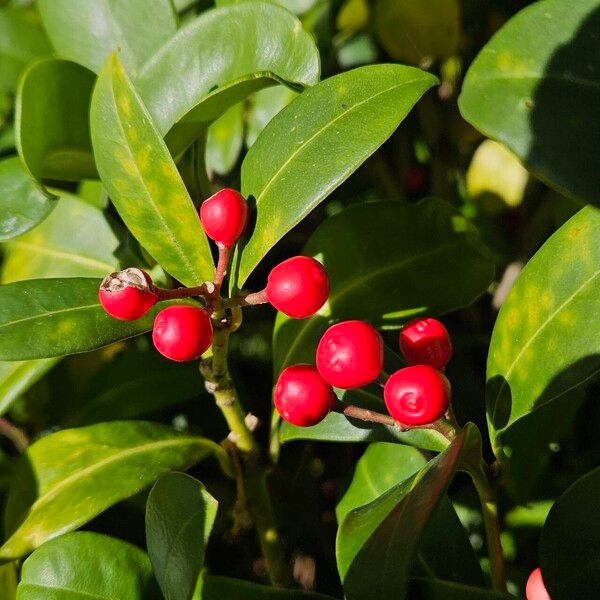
364 414
220 384
222 263
14 434
207 290
247 300
489 508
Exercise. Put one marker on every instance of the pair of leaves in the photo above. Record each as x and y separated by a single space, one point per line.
544 349
69 477
383 536
536 87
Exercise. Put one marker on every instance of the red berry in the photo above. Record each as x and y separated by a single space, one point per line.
298 287
182 332
302 397
415 179
536 590
426 342
417 395
350 354
127 295
224 216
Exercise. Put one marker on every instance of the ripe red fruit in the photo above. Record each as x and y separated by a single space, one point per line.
426 342
224 216
182 332
298 287
350 354
302 397
127 295
536 590
417 395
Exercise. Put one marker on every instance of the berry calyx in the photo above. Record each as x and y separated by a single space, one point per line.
224 216
417 395
182 332
426 342
535 589
298 287
302 397
350 354
128 294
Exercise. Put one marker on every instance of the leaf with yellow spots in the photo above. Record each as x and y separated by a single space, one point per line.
315 143
545 348
142 179
69 477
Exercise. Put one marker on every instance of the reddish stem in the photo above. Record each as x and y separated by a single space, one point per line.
223 262
247 300
207 290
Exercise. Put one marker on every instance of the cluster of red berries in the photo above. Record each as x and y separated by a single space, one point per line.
350 355
298 287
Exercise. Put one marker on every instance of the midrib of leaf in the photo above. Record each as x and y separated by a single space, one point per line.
64 483
62 255
317 133
48 314
175 242
361 281
61 588
527 344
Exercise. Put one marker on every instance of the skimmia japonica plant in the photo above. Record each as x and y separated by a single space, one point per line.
406 192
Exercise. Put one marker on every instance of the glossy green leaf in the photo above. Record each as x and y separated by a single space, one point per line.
219 588
335 125
298 7
88 32
382 537
135 383
67 478
43 318
52 120
535 87
570 542
445 548
8 581
142 180
22 40
179 517
76 240
225 139
413 32
262 45
436 589
23 204
18 377
544 348
376 255
87 565
336 427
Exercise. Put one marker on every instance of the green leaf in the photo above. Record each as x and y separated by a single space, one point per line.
87 565
436 589
76 240
179 517
42 318
263 106
133 384
375 255
544 348
143 182
445 549
535 87
23 204
67 478
262 45
52 120
219 588
88 32
22 40
382 537
570 542
413 32
225 139
8 581
337 427
336 125
17 377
